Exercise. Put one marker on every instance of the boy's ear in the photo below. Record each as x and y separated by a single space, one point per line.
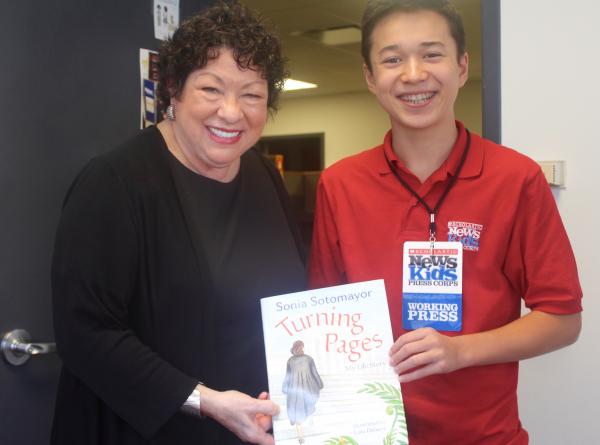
369 78
463 65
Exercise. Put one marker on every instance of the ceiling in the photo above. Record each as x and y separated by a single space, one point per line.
337 69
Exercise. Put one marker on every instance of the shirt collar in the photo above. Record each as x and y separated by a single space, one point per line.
471 168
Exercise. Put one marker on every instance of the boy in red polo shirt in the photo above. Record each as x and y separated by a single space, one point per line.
432 183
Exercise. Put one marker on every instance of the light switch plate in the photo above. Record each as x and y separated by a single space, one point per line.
554 171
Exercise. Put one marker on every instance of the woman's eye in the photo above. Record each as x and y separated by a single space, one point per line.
210 90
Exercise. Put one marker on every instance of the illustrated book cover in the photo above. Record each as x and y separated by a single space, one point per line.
328 367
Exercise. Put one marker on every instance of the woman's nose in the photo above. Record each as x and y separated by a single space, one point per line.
230 109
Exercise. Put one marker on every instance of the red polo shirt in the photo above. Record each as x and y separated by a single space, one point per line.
515 247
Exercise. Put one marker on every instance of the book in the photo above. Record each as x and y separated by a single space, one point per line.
328 367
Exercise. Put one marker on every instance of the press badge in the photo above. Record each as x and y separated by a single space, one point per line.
432 286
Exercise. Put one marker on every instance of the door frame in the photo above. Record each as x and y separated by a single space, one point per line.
491 72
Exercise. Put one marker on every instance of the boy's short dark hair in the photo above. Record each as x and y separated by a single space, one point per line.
376 10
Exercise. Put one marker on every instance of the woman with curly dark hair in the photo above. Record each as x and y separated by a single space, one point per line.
165 246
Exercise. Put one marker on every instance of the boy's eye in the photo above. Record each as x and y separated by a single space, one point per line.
392 60
432 55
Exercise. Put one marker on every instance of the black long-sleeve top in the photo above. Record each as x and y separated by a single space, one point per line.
156 278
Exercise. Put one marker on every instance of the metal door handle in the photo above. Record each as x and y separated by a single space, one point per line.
17 348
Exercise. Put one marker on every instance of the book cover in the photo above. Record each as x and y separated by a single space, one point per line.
328 367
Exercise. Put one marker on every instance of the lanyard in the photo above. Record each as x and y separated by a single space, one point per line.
433 212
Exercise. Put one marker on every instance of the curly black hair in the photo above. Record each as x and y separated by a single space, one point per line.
223 25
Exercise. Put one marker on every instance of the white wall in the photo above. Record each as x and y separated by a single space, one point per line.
550 101
354 122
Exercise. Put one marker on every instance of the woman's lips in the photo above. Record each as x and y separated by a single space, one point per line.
223 135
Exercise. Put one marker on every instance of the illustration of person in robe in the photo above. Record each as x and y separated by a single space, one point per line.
302 385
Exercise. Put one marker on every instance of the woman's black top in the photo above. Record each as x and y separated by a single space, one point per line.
157 275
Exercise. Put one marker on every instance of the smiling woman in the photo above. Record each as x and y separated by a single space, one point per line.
220 87
165 246
220 113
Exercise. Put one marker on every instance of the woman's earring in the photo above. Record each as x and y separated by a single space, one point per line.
170 112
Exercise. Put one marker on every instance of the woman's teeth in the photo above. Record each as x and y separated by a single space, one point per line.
223 133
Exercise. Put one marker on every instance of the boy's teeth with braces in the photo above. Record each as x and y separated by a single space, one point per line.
417 98
224 134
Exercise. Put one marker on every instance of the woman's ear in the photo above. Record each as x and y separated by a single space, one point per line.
171 87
